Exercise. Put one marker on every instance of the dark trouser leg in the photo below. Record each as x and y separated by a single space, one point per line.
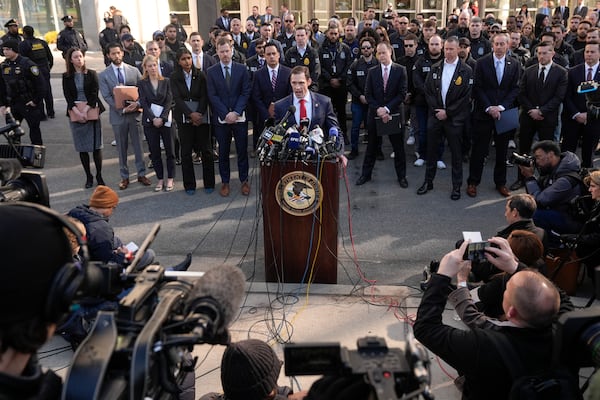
339 99
187 132
371 153
33 116
481 141
434 138
397 142
501 150
240 132
526 132
204 142
165 135
359 113
48 98
176 142
454 136
223 135
590 139
422 115
153 137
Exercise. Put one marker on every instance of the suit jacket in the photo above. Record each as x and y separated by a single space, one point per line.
322 112
575 102
486 90
225 99
564 16
459 92
263 92
90 88
548 97
197 92
394 94
108 81
219 22
163 97
166 69
582 11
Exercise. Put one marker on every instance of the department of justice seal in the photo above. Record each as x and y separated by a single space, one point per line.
299 193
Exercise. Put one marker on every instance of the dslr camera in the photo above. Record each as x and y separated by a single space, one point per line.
522 159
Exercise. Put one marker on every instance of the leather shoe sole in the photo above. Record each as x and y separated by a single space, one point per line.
124 184
403 183
425 187
362 180
503 191
472 191
144 181
224 190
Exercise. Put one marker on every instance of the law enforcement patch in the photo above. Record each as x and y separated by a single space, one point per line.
306 61
458 81
35 71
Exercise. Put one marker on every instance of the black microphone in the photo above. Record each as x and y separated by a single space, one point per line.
304 124
10 169
214 301
291 110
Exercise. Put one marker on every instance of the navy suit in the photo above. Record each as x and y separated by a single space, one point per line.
575 103
322 112
224 26
392 98
264 94
224 99
487 92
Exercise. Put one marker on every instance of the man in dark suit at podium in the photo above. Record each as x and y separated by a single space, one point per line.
385 91
269 85
314 106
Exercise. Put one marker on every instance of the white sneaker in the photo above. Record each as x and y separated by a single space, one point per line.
162 145
392 155
419 163
411 140
441 165
512 144
113 143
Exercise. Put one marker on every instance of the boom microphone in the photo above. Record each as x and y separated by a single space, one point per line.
215 300
291 110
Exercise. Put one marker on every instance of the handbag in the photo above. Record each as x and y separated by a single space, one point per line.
92 115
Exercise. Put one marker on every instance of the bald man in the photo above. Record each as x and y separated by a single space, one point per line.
530 303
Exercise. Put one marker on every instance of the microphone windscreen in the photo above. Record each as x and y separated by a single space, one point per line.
10 168
226 285
291 109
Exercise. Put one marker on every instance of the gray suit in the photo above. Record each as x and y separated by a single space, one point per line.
125 126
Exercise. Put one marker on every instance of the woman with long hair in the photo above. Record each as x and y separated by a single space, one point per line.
80 88
156 101
528 36
588 240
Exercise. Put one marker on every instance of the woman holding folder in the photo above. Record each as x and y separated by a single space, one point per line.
80 87
155 100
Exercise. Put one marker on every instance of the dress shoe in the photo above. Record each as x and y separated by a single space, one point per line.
455 195
144 181
471 190
51 116
503 190
123 184
89 182
190 192
380 156
224 190
362 180
245 188
425 187
100 180
184 265
353 154
209 190
518 184
403 183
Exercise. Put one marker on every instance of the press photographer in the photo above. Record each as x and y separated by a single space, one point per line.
558 183
36 266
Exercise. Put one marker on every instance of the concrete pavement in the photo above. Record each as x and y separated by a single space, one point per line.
386 235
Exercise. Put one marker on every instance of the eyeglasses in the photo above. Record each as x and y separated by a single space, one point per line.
277 22
409 45
366 48
403 23
159 38
289 20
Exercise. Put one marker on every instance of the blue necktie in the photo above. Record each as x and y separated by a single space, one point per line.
499 71
120 76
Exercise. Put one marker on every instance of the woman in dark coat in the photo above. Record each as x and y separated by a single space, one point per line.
588 241
81 85
156 101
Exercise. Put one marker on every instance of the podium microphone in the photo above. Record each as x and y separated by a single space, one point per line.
304 124
291 110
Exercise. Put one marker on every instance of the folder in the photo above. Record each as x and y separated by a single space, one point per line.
124 95
193 106
392 127
509 120
157 110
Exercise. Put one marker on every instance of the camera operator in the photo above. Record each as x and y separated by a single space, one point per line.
588 240
554 189
530 304
249 371
26 281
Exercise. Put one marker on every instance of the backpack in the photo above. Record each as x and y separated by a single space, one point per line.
555 383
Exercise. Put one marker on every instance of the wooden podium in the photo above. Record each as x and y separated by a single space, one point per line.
300 215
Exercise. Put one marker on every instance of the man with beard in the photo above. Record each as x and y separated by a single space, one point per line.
351 41
397 38
133 51
463 25
171 35
579 42
287 37
573 25
516 50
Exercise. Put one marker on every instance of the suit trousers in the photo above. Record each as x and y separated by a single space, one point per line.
196 138
573 130
129 130
339 98
397 142
422 114
154 135
453 131
224 133
48 98
484 129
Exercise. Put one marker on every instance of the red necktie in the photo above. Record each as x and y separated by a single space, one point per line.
303 109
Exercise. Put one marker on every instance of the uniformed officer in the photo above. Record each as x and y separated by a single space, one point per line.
69 37
303 54
37 50
12 27
181 33
22 89
106 36
335 58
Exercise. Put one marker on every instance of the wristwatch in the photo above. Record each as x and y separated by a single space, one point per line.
461 284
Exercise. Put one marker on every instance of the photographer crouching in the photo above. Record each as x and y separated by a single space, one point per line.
36 258
557 184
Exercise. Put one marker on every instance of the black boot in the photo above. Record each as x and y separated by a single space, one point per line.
182 266
89 182
100 180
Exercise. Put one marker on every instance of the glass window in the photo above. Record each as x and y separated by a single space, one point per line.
233 6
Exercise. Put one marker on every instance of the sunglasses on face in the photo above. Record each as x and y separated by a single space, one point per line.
409 45
366 48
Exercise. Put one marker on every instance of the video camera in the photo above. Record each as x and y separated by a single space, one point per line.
28 155
392 373
19 185
143 350
592 97
522 159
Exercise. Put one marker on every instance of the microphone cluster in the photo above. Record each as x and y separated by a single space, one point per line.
280 142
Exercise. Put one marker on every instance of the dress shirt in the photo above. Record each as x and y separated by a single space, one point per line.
116 71
188 79
447 74
197 58
546 70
